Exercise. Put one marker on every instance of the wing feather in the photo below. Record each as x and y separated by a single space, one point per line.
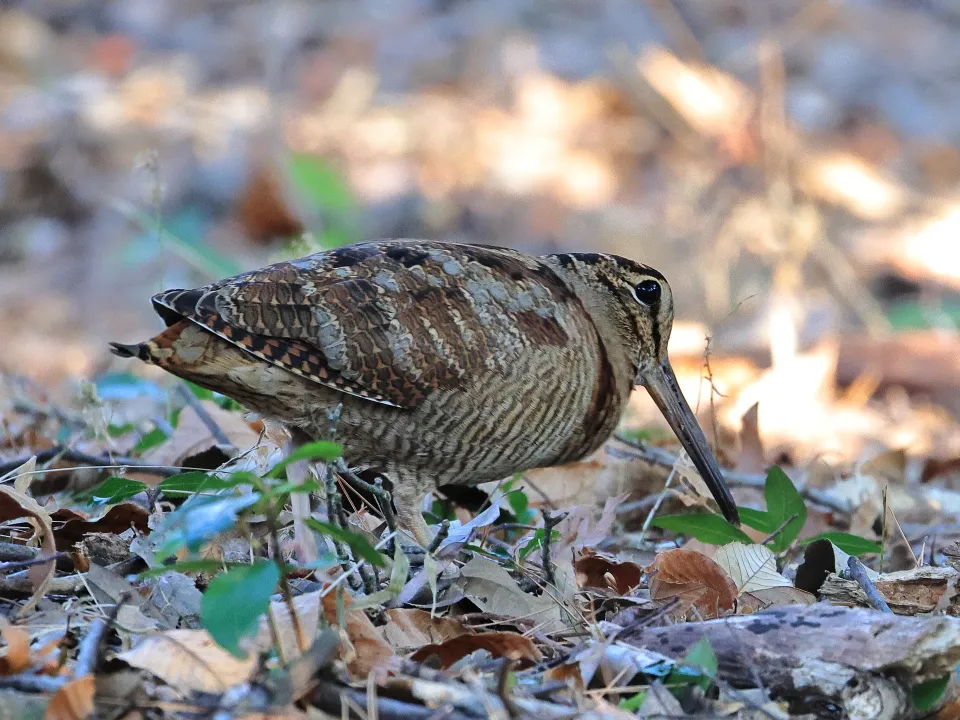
389 321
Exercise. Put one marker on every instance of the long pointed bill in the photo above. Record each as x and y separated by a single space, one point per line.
662 385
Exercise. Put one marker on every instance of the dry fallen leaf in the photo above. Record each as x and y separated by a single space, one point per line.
118 519
499 644
701 586
410 628
192 437
596 571
16 656
14 505
189 659
492 589
74 701
751 567
361 645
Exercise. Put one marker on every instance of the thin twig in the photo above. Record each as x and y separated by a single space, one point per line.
550 521
440 536
193 402
88 653
779 530
96 461
858 572
664 458
503 688
40 560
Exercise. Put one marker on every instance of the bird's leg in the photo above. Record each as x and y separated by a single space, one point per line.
408 493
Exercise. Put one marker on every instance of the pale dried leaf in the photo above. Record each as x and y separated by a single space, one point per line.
752 567
192 437
189 659
407 629
491 588
773 597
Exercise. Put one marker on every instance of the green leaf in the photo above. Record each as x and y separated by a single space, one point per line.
520 505
323 450
699 666
400 570
757 519
200 519
536 543
633 703
189 566
234 602
705 527
114 490
150 440
783 501
193 482
358 543
850 544
319 184
199 392
927 694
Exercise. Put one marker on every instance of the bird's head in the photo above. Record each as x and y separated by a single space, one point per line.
639 302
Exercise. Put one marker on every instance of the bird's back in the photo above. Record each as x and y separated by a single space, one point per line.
469 360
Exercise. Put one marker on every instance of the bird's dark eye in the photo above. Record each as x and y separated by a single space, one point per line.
648 292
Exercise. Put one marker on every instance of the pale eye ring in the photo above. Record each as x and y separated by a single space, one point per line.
648 292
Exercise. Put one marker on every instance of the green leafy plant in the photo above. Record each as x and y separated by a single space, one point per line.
234 602
927 695
783 519
705 527
850 544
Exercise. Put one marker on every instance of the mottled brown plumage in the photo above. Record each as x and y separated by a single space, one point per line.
453 363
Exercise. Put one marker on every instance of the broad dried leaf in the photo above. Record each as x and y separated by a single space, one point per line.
888 467
14 505
189 659
596 571
361 647
407 629
491 588
192 437
700 585
118 519
751 567
773 597
499 644
74 701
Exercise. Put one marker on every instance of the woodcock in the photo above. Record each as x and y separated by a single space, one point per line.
453 363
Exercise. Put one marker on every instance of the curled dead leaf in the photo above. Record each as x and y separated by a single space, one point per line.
15 505
596 571
499 644
362 647
696 583
118 519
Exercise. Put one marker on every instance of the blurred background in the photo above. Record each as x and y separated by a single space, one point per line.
792 166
